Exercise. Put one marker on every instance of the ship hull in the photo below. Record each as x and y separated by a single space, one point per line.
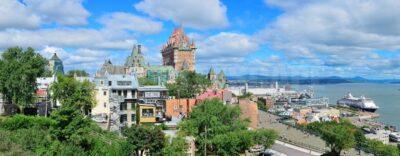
372 110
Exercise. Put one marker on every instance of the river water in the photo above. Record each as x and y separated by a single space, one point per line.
386 96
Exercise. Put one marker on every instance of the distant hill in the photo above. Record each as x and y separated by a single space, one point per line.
307 80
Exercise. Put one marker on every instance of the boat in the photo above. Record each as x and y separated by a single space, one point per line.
395 137
362 103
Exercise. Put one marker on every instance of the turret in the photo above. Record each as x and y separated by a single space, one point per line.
211 74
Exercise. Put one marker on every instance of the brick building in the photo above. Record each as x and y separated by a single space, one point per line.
179 51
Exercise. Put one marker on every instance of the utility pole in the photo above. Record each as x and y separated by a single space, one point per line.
47 94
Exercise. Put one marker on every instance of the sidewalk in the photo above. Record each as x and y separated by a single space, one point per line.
298 148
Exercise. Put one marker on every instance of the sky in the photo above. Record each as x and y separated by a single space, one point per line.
266 37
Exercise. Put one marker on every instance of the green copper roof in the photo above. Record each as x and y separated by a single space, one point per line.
136 58
221 74
211 72
55 57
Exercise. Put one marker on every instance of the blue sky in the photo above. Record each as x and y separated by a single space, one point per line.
267 37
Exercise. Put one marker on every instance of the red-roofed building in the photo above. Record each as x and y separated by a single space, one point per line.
223 95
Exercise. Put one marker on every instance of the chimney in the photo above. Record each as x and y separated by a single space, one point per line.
139 49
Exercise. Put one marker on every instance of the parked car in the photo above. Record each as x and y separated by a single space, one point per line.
257 148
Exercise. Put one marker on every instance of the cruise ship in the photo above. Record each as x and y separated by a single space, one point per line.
365 104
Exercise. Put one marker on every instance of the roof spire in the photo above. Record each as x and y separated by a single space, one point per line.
211 71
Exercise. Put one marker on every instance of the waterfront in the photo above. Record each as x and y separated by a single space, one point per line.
386 96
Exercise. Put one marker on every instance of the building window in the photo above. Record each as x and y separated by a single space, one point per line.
109 83
133 117
119 93
124 83
101 82
147 113
105 104
123 118
104 93
123 106
125 93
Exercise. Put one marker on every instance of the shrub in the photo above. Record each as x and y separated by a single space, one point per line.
22 121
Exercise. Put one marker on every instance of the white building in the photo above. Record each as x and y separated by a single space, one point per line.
116 97
380 135
272 91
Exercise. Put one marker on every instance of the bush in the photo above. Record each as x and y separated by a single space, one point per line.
22 121
8 147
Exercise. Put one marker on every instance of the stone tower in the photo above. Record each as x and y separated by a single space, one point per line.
136 62
211 74
179 51
55 65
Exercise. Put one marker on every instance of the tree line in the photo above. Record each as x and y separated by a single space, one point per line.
344 135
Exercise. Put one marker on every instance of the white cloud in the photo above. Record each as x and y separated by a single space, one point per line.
131 22
82 59
288 4
335 32
15 14
64 12
226 45
204 14
71 38
33 13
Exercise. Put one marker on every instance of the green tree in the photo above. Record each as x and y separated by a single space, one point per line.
218 129
80 73
146 82
262 105
188 84
18 72
246 95
175 147
72 93
377 148
360 140
338 138
143 139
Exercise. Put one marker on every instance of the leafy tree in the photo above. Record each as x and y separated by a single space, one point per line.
360 140
18 72
143 139
377 148
47 73
261 105
175 147
338 138
188 84
221 129
80 73
246 95
72 93
265 137
146 82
